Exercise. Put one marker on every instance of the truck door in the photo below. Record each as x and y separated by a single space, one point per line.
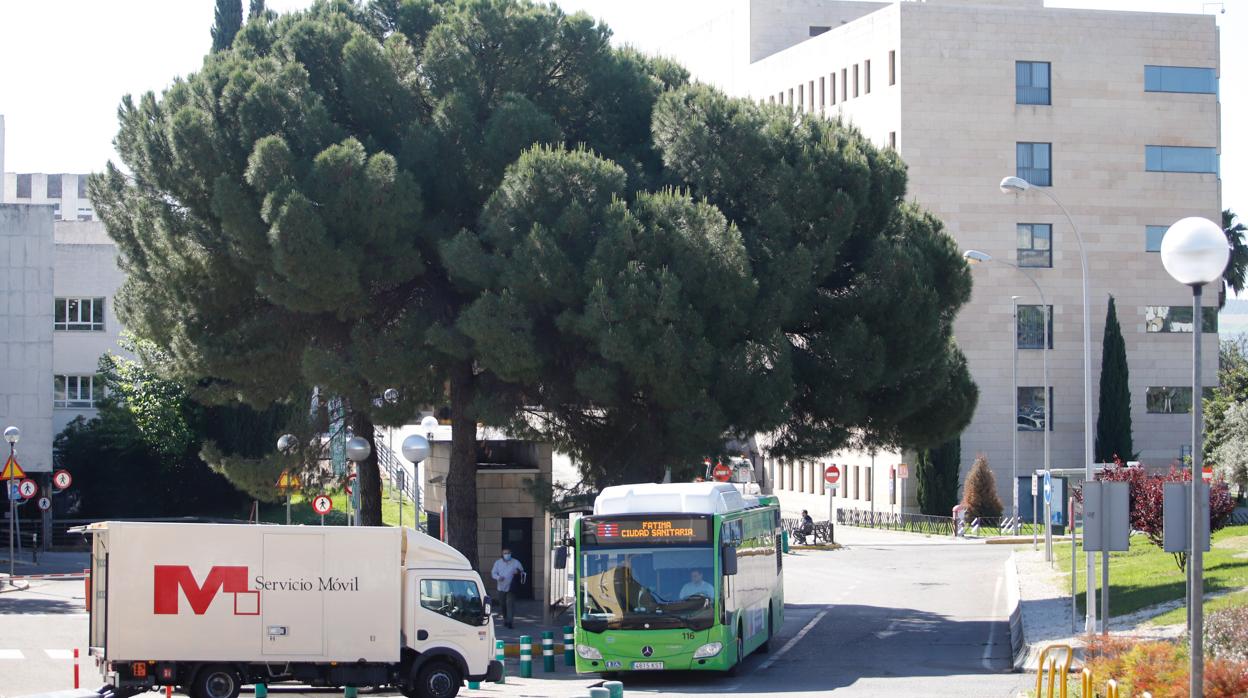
292 611
450 612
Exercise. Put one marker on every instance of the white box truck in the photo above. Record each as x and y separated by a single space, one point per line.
210 607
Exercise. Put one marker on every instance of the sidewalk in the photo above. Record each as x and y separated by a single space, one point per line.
50 563
528 621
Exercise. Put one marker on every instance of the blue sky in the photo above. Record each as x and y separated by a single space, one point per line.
68 62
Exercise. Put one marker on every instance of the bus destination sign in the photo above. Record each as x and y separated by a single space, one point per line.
650 530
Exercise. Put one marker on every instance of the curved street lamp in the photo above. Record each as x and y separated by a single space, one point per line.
1194 251
1018 185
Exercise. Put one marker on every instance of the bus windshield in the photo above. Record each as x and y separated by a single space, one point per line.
647 588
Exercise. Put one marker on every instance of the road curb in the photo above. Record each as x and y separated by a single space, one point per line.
1018 643
11 584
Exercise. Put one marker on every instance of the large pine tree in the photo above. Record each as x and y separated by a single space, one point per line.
481 203
1113 422
227 20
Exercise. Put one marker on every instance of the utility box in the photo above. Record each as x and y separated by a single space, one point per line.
1177 518
1106 516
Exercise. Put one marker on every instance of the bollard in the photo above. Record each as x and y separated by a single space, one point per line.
502 659
474 684
548 650
76 668
599 693
1111 689
526 657
349 692
614 688
569 652
784 536
168 691
262 691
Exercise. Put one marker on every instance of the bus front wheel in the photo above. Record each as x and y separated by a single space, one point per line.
736 667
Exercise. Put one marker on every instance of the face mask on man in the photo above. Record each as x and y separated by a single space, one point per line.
507 556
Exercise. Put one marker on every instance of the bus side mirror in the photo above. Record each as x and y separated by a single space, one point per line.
728 560
561 557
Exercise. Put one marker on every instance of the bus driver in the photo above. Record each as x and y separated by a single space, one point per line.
697 586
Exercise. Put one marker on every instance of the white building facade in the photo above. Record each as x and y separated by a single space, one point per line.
1115 113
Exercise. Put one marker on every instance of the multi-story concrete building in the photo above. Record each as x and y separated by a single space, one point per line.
58 278
1115 113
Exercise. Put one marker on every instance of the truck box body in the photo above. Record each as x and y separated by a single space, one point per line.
190 592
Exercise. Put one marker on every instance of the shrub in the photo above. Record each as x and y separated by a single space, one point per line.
1160 668
981 498
1226 633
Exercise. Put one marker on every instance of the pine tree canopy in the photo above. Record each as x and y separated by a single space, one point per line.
227 20
483 203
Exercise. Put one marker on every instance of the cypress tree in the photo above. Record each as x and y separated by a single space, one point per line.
936 475
227 20
1113 423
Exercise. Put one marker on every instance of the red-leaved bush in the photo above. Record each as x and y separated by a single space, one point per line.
1161 668
1148 492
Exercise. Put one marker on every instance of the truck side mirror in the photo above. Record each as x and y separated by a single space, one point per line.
561 557
728 559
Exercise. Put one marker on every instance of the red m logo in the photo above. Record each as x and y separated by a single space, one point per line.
169 578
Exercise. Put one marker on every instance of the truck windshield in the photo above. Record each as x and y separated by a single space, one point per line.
639 588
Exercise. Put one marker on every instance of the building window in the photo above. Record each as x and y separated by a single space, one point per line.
76 391
771 99
857 481
1168 78
82 186
844 84
870 481
892 68
1035 163
1035 245
86 213
56 210
54 186
1031 83
1152 237
1031 408
1030 328
855 79
801 97
823 93
817 30
79 314
832 84
1178 318
892 140
1167 400
866 76
1173 158
790 98
23 186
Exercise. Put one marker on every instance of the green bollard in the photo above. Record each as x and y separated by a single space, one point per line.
548 650
501 656
526 657
614 688
474 684
262 691
349 692
785 537
569 651
599 693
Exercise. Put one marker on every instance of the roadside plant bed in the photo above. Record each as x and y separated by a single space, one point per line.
1161 668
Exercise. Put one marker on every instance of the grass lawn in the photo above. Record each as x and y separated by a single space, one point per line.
301 511
1179 615
1146 575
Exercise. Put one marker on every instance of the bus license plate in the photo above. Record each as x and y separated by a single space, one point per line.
647 665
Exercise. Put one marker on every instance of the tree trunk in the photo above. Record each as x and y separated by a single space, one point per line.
461 482
369 475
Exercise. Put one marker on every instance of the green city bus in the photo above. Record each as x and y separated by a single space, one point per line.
675 577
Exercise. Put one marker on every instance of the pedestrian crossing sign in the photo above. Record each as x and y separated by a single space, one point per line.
286 481
12 471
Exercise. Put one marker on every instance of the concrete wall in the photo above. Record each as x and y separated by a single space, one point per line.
1 158
73 200
26 283
86 267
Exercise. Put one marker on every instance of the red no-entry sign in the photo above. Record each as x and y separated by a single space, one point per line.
831 474
322 504
721 472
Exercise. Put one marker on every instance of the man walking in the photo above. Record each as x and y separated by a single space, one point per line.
504 574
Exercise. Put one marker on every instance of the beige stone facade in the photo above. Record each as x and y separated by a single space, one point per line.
936 80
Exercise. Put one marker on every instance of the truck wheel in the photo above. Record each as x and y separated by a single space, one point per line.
216 681
438 680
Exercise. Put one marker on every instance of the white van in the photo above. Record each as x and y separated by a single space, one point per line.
211 607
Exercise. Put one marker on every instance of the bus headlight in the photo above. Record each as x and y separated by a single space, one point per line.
587 652
710 649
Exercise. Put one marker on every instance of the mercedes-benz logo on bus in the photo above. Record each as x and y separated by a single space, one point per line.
647 651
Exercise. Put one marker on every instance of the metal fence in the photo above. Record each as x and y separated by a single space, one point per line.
823 530
394 470
893 521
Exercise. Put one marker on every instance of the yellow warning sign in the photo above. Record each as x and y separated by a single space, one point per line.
12 471
286 481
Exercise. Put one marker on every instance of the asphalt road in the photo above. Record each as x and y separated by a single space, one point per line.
889 615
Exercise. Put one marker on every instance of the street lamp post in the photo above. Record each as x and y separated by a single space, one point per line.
1018 185
428 425
12 435
286 444
357 452
976 257
415 449
1194 251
